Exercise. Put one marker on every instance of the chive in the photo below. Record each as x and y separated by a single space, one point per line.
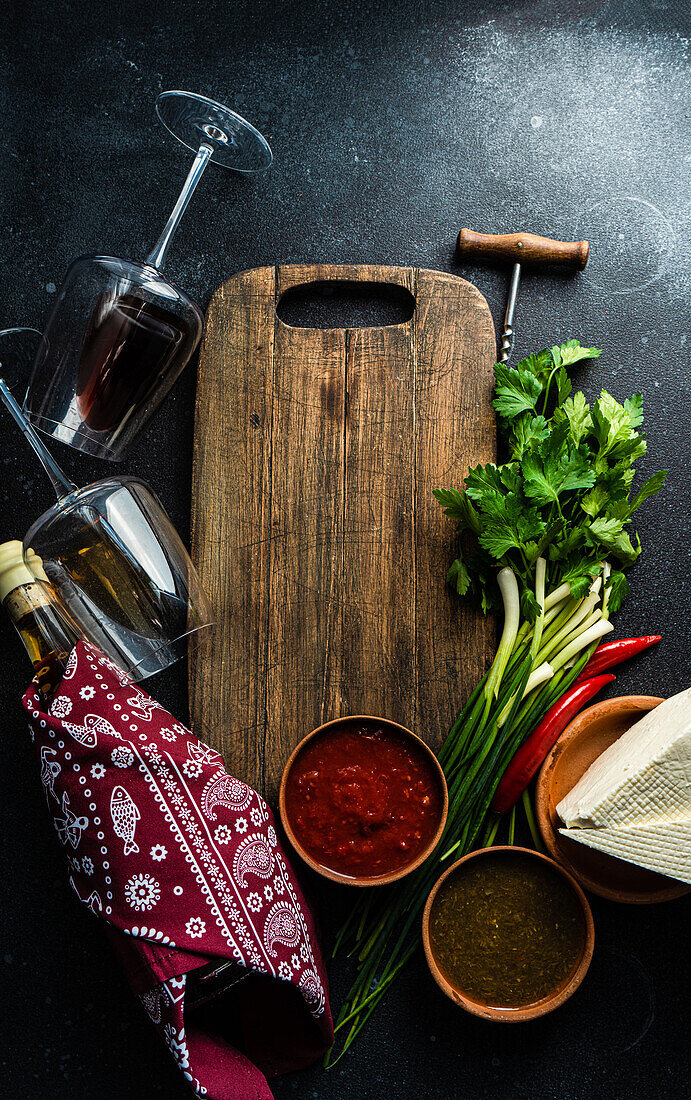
512 824
527 806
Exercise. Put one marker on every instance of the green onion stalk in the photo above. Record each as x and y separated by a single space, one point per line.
535 663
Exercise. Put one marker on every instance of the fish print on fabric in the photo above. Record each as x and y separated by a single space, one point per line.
87 734
71 666
125 816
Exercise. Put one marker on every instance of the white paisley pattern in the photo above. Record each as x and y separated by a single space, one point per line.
253 857
225 790
282 926
313 991
152 1003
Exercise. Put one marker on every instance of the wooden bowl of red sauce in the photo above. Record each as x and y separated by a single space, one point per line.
363 801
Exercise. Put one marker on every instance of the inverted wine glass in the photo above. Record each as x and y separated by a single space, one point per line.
110 556
120 332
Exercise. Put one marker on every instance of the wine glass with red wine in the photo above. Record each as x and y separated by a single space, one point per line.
120 332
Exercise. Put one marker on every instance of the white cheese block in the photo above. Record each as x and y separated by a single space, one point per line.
645 776
664 847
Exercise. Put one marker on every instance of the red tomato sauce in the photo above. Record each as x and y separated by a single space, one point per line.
363 800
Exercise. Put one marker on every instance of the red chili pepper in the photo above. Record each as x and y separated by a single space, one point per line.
533 751
613 653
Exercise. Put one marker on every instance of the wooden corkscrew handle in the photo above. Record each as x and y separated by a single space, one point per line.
523 248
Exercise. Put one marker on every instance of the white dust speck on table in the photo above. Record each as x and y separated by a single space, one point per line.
602 154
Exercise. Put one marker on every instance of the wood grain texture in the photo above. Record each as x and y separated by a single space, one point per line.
314 527
523 248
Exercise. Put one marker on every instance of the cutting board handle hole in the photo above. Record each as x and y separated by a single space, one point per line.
343 304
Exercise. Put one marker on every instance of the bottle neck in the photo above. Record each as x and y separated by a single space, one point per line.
45 629
23 600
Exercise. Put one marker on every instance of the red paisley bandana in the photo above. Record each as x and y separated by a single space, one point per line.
183 864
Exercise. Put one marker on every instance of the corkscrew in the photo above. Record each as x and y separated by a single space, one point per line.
520 249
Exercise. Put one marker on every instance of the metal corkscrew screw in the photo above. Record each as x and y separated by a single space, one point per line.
521 248
507 334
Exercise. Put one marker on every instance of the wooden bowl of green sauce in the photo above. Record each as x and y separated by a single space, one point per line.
508 934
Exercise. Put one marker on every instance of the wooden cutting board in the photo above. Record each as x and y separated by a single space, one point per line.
314 528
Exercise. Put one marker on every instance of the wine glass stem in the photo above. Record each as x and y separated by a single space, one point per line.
61 483
157 256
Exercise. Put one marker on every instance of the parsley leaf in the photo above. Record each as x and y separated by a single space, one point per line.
517 390
577 413
618 587
564 494
572 352
648 489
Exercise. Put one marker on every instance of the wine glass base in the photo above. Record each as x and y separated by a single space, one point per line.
168 654
19 349
195 120
74 436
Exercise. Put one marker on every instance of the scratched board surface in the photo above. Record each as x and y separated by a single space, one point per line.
314 527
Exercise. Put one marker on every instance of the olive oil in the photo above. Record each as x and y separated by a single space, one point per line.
507 930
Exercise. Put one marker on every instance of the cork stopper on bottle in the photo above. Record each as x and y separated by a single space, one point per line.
13 570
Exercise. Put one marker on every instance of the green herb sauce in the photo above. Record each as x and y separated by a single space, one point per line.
506 930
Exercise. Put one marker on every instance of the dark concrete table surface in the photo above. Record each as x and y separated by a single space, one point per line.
393 124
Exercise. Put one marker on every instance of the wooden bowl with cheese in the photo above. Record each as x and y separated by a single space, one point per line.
583 742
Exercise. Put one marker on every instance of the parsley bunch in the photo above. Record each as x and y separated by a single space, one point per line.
564 493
